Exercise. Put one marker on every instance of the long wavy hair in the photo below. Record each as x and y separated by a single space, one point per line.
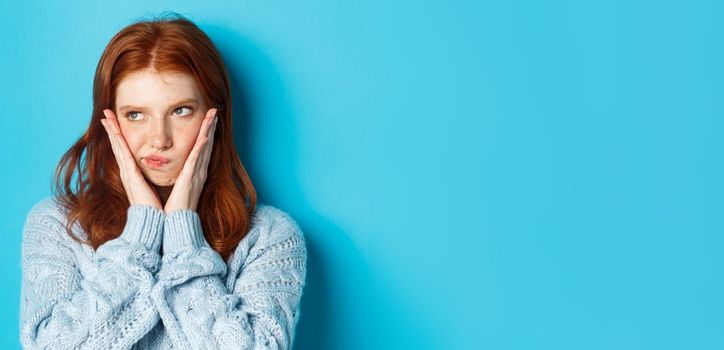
87 181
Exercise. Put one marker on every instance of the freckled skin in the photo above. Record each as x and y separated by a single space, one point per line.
161 126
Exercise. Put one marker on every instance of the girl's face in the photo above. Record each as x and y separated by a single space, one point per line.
160 114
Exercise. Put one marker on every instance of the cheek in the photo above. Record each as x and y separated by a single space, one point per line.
187 136
134 142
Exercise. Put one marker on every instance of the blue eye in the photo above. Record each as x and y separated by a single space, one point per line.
181 108
130 114
136 116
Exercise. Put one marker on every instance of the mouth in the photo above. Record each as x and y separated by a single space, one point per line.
156 162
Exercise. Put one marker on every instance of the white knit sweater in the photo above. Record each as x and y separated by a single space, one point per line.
127 295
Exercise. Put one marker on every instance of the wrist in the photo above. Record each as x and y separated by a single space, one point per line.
182 230
144 224
173 206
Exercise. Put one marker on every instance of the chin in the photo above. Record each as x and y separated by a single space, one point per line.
165 183
161 182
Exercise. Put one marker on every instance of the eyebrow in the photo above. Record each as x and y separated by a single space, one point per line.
188 100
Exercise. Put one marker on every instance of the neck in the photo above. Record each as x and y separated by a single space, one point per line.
163 193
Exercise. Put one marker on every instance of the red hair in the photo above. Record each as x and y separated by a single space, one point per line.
96 197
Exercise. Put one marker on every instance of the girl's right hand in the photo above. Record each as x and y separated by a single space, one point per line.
137 189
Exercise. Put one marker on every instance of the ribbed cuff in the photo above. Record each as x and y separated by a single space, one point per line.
182 230
144 224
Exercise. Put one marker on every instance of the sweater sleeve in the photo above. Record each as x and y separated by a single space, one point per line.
260 310
111 308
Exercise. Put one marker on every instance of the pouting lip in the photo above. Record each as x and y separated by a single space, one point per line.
156 158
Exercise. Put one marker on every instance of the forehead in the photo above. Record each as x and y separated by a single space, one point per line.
148 88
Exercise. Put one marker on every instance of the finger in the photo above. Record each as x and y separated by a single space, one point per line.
111 139
212 130
124 150
112 122
191 160
124 158
209 147
214 118
113 136
192 163
205 124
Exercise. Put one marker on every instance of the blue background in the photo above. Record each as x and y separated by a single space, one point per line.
469 175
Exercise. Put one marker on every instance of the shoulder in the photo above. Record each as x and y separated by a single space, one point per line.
46 215
48 210
274 247
274 225
272 257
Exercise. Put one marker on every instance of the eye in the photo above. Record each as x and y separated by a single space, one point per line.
132 115
175 111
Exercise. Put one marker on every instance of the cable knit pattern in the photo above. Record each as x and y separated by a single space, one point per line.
130 294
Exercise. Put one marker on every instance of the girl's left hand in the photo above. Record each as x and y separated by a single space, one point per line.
187 189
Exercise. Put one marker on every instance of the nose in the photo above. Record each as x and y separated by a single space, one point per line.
161 137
